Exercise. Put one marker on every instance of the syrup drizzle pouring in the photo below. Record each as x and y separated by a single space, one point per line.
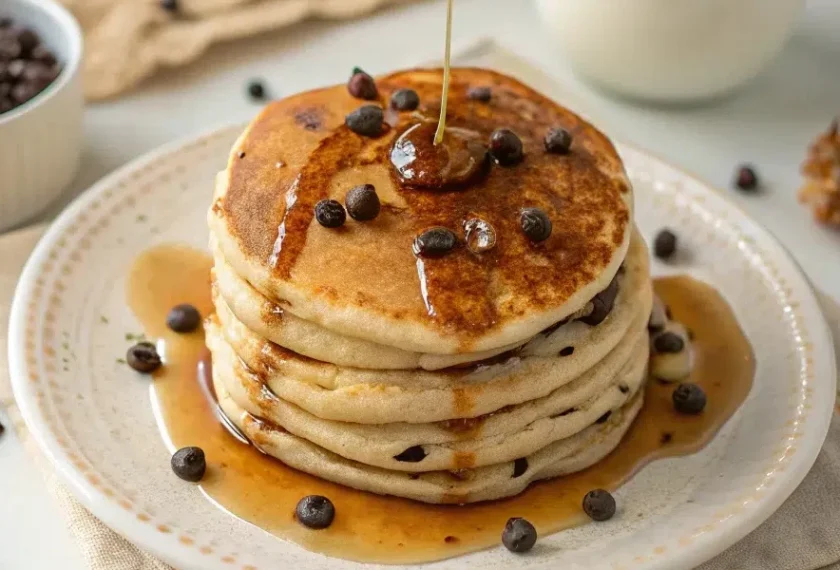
446 71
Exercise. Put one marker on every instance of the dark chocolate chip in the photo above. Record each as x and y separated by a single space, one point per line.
563 413
666 437
315 511
183 318
256 90
746 178
558 141
405 100
599 505
505 147
189 464
520 466
519 535
362 86
602 304
366 120
665 244
42 54
9 49
5 23
241 154
27 39
482 93
624 388
169 5
143 357
2 429
414 454
330 214
567 351
668 342
535 224
435 242
603 419
689 398
362 203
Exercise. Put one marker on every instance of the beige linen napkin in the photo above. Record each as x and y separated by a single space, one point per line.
801 535
128 40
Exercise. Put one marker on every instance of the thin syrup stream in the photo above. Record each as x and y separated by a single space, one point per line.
446 71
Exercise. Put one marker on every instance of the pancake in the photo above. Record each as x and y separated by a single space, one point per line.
270 321
508 434
471 485
363 280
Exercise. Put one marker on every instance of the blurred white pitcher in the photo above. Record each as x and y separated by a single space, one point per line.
670 50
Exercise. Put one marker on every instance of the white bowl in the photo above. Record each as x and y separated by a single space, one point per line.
41 141
670 50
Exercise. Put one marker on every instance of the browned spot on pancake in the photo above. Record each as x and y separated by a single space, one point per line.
462 474
463 401
464 459
271 313
466 428
454 498
372 263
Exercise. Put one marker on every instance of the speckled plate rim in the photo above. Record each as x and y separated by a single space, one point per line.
817 378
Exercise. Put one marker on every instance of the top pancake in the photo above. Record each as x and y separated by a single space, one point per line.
363 280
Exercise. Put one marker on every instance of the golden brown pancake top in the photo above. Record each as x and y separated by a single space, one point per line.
299 151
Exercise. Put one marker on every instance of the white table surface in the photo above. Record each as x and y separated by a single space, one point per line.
769 124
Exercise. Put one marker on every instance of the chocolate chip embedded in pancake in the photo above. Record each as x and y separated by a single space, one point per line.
363 280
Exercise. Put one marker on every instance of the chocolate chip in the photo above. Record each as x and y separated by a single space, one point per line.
599 505
366 120
15 69
362 86
42 54
256 90
603 419
482 94
169 5
505 147
330 214
665 244
435 242
602 304
241 154
558 141
143 357
519 535
27 39
689 398
567 351
362 203
5 22
624 388
405 100
315 511
668 343
2 429
535 224
183 318
520 466
746 178
666 437
413 454
189 464
563 413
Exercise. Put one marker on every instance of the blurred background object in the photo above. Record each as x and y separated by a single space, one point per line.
670 50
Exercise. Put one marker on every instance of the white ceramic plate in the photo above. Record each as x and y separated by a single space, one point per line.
92 416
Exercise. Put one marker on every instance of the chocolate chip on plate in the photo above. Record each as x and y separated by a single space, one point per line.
689 398
189 464
330 214
520 466
665 244
143 357
405 100
256 90
505 147
315 511
519 535
599 505
366 120
183 318
434 242
746 178
482 94
362 202
414 454
668 342
558 141
362 86
535 224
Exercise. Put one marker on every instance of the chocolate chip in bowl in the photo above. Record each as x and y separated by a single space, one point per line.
27 66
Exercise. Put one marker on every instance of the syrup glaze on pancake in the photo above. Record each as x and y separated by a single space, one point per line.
299 151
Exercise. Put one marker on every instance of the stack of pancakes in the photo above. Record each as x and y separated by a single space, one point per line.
453 379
